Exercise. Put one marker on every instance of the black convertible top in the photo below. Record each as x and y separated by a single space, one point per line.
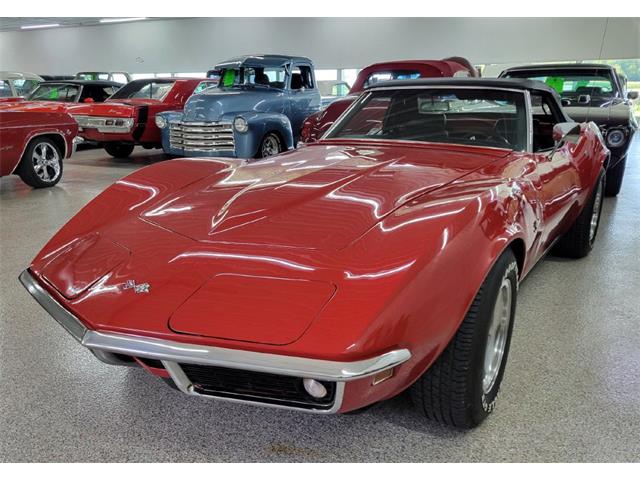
505 83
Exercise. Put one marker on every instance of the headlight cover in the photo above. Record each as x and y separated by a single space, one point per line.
160 122
616 137
240 125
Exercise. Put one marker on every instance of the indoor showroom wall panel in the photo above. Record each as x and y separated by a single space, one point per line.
196 44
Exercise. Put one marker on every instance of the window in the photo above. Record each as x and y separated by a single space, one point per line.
203 86
55 92
301 77
5 89
256 76
23 86
490 118
378 77
349 75
333 88
545 117
326 75
144 89
573 82
120 78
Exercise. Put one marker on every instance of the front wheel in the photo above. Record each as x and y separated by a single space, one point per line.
119 150
579 240
461 387
269 146
41 164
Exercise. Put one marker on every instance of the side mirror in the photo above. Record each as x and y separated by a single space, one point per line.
88 100
566 132
632 95
584 99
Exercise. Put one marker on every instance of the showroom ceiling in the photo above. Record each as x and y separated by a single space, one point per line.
15 23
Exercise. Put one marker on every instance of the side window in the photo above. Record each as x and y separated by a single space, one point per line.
462 73
545 116
302 77
120 78
5 89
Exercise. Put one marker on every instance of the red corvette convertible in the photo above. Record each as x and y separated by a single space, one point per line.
34 145
385 256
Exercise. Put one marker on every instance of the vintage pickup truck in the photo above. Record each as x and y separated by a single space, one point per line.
256 110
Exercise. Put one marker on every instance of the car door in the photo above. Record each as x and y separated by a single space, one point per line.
304 96
556 175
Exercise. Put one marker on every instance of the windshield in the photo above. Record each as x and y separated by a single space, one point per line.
273 77
571 83
55 92
387 76
156 90
480 117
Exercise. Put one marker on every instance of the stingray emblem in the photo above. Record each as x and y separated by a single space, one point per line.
137 287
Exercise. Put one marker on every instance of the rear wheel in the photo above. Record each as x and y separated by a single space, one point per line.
41 164
614 178
119 150
461 387
579 240
270 146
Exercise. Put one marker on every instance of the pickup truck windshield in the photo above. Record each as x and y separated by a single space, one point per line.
273 77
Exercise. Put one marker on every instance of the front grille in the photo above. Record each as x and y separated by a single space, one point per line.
201 136
256 386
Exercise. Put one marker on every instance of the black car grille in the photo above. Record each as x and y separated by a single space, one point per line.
256 386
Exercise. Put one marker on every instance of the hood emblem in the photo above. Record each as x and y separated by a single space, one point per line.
137 287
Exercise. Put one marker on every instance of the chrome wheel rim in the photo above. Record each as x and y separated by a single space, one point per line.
595 215
497 336
46 162
270 146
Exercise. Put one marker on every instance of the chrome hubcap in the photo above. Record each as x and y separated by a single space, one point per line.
497 337
270 146
46 162
595 216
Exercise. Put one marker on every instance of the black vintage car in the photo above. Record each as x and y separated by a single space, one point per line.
592 92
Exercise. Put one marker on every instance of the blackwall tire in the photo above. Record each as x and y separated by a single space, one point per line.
580 238
269 146
41 163
461 387
614 178
119 150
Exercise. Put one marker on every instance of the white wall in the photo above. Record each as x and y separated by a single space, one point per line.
191 45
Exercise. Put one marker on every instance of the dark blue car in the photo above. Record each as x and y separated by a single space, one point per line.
256 111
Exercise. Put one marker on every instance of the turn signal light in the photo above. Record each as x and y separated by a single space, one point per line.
382 376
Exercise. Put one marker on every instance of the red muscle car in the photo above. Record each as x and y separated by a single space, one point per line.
128 117
318 123
34 145
325 279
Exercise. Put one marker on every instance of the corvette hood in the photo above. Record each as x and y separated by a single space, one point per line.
319 197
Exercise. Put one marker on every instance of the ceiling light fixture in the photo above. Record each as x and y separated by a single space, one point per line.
30 27
114 20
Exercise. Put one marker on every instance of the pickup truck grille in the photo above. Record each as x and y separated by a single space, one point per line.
201 136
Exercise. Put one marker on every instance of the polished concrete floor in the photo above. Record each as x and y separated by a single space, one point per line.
571 391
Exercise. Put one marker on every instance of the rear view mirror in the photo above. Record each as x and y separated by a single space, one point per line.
584 99
632 95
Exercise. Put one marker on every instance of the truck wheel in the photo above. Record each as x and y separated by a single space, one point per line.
614 178
461 387
579 240
41 164
119 150
269 146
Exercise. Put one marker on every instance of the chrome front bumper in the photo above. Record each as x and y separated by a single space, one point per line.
172 354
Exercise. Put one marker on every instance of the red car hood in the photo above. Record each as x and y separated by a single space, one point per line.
120 109
211 247
40 106
320 197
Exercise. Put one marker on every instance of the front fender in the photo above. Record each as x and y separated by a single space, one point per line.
261 123
172 116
